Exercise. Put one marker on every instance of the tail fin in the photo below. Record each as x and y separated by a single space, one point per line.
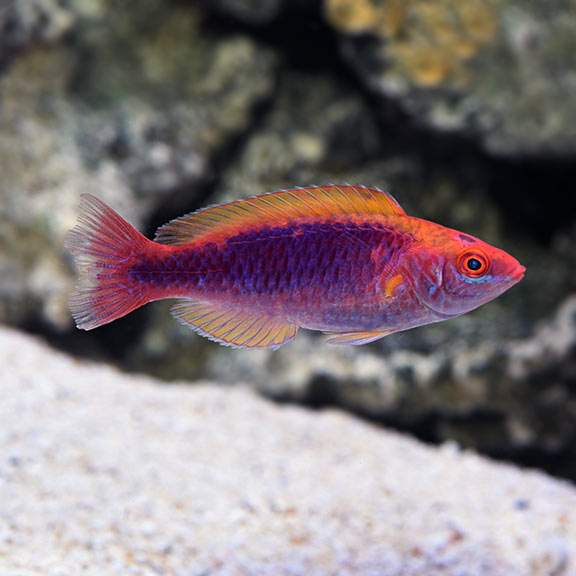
103 245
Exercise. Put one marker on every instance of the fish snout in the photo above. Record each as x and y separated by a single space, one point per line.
515 271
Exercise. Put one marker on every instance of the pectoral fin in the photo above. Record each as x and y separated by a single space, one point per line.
356 338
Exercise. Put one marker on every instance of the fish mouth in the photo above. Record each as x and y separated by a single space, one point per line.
511 277
518 273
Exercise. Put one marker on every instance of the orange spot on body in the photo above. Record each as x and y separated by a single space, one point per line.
392 284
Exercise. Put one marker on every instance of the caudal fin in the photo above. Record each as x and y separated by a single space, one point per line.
104 246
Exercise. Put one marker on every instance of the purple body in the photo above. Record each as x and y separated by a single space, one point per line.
323 275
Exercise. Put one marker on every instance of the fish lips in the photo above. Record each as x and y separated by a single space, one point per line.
517 274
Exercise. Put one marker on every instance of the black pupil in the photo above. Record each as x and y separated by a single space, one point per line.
474 264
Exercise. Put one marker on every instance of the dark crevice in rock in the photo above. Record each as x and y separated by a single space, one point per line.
110 343
560 464
536 196
299 33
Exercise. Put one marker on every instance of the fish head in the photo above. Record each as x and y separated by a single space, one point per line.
456 273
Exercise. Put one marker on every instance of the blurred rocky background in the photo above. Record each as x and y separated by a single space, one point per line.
464 110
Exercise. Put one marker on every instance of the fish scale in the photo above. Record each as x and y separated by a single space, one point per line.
264 262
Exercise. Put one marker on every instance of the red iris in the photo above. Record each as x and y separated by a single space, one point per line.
473 263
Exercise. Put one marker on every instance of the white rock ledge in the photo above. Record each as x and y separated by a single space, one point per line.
103 473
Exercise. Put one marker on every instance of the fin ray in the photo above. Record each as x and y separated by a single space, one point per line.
356 338
233 327
103 244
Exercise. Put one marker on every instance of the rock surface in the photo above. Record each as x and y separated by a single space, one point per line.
103 473
498 71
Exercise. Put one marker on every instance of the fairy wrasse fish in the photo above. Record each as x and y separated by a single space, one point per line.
346 260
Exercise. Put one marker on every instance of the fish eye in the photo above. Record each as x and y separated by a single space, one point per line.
473 263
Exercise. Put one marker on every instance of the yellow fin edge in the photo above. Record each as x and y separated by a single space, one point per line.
232 327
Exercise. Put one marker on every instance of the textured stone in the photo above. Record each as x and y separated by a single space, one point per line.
103 473
28 22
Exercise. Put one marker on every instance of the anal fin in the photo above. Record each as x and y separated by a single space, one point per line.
356 338
238 328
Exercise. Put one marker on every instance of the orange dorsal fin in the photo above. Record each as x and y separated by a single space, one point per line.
277 208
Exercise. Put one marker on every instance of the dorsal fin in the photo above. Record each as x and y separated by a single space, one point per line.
279 207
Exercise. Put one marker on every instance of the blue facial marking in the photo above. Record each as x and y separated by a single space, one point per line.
480 280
